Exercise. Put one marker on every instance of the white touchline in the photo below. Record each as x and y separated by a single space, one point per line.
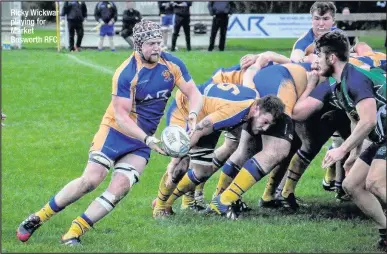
92 65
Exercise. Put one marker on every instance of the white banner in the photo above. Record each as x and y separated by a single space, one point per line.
268 25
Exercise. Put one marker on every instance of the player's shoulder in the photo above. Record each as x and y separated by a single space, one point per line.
128 67
169 58
306 37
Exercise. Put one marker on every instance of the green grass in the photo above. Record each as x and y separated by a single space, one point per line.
54 106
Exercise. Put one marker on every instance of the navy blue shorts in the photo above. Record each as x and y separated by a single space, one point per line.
106 30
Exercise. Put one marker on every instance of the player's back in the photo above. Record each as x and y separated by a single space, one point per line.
227 103
373 59
286 81
233 75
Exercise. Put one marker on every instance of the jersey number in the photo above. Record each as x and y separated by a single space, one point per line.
228 87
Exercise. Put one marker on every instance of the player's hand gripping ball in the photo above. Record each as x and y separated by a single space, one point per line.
175 141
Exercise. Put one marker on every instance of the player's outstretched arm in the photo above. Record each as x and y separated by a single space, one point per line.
366 110
203 128
306 105
195 99
276 58
122 107
297 55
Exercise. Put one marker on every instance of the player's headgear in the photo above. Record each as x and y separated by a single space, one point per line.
145 30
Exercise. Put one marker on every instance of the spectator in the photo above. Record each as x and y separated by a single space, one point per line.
106 14
129 18
182 18
76 13
220 10
347 25
166 20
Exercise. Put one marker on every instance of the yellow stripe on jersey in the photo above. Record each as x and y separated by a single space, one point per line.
117 74
298 74
233 77
219 110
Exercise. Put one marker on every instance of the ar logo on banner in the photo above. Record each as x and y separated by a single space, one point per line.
259 19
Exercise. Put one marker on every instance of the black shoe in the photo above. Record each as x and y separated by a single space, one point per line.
28 227
241 206
328 186
382 245
269 204
289 202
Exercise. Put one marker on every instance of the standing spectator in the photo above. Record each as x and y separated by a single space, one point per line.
347 25
76 13
166 16
220 10
106 14
182 18
129 18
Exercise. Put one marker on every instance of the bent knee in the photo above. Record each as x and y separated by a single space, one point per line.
374 185
350 187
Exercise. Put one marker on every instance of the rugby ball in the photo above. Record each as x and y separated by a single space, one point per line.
175 141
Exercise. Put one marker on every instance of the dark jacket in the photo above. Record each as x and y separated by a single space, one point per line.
74 10
220 7
182 10
165 10
129 18
106 11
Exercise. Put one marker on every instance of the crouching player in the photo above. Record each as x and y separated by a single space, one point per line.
226 106
287 82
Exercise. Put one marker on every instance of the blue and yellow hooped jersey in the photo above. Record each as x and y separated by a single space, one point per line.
226 104
373 59
306 42
149 86
286 81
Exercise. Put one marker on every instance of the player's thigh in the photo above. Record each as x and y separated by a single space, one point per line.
247 147
136 161
356 177
377 173
274 150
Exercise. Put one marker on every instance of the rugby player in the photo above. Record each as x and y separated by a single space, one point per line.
140 90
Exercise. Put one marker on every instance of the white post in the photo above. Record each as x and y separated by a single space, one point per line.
16 29
64 32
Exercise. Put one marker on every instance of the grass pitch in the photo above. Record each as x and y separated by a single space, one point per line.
55 102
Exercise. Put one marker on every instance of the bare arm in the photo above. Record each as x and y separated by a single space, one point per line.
122 107
195 99
297 55
203 128
307 105
367 114
275 57
194 96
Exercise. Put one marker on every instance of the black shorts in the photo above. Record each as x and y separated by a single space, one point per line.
373 152
203 152
209 141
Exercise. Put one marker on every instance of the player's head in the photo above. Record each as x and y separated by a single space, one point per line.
147 40
362 48
323 17
346 11
331 47
265 112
